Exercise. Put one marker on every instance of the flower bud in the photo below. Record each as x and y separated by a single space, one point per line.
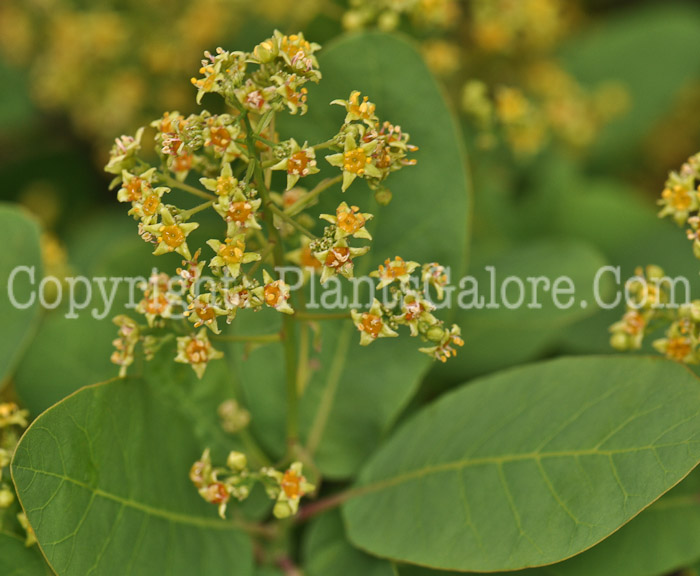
383 196
6 497
237 461
435 334
282 510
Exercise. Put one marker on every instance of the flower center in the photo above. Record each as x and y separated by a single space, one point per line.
197 352
678 348
224 185
355 160
372 324
232 253
172 235
272 294
220 137
349 221
133 189
338 257
239 211
298 163
291 484
150 205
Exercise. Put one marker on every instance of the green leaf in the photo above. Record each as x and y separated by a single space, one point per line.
19 238
664 537
18 560
530 466
103 478
327 551
501 337
647 50
355 394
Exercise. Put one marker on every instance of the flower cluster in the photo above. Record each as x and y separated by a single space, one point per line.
648 311
410 307
234 155
646 307
218 485
12 420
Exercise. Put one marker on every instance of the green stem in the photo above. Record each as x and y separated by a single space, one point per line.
185 214
287 218
323 145
249 338
288 324
173 183
328 316
305 200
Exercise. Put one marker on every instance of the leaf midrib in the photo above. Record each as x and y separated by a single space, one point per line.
498 461
174 517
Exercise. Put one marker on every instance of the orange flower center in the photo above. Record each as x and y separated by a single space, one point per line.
133 189
272 294
350 221
156 305
678 348
197 351
239 211
291 484
338 257
372 324
634 323
298 163
217 493
232 253
150 205
355 161
220 137
172 235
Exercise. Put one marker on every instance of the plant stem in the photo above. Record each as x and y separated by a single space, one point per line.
304 201
307 316
185 214
315 508
173 183
288 326
250 338
287 218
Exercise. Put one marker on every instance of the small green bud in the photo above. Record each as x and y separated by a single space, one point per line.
435 334
6 497
237 461
619 341
282 510
383 196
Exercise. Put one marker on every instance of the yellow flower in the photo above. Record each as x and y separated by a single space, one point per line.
197 351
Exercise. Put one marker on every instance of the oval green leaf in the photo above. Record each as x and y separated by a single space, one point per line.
530 466
103 478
